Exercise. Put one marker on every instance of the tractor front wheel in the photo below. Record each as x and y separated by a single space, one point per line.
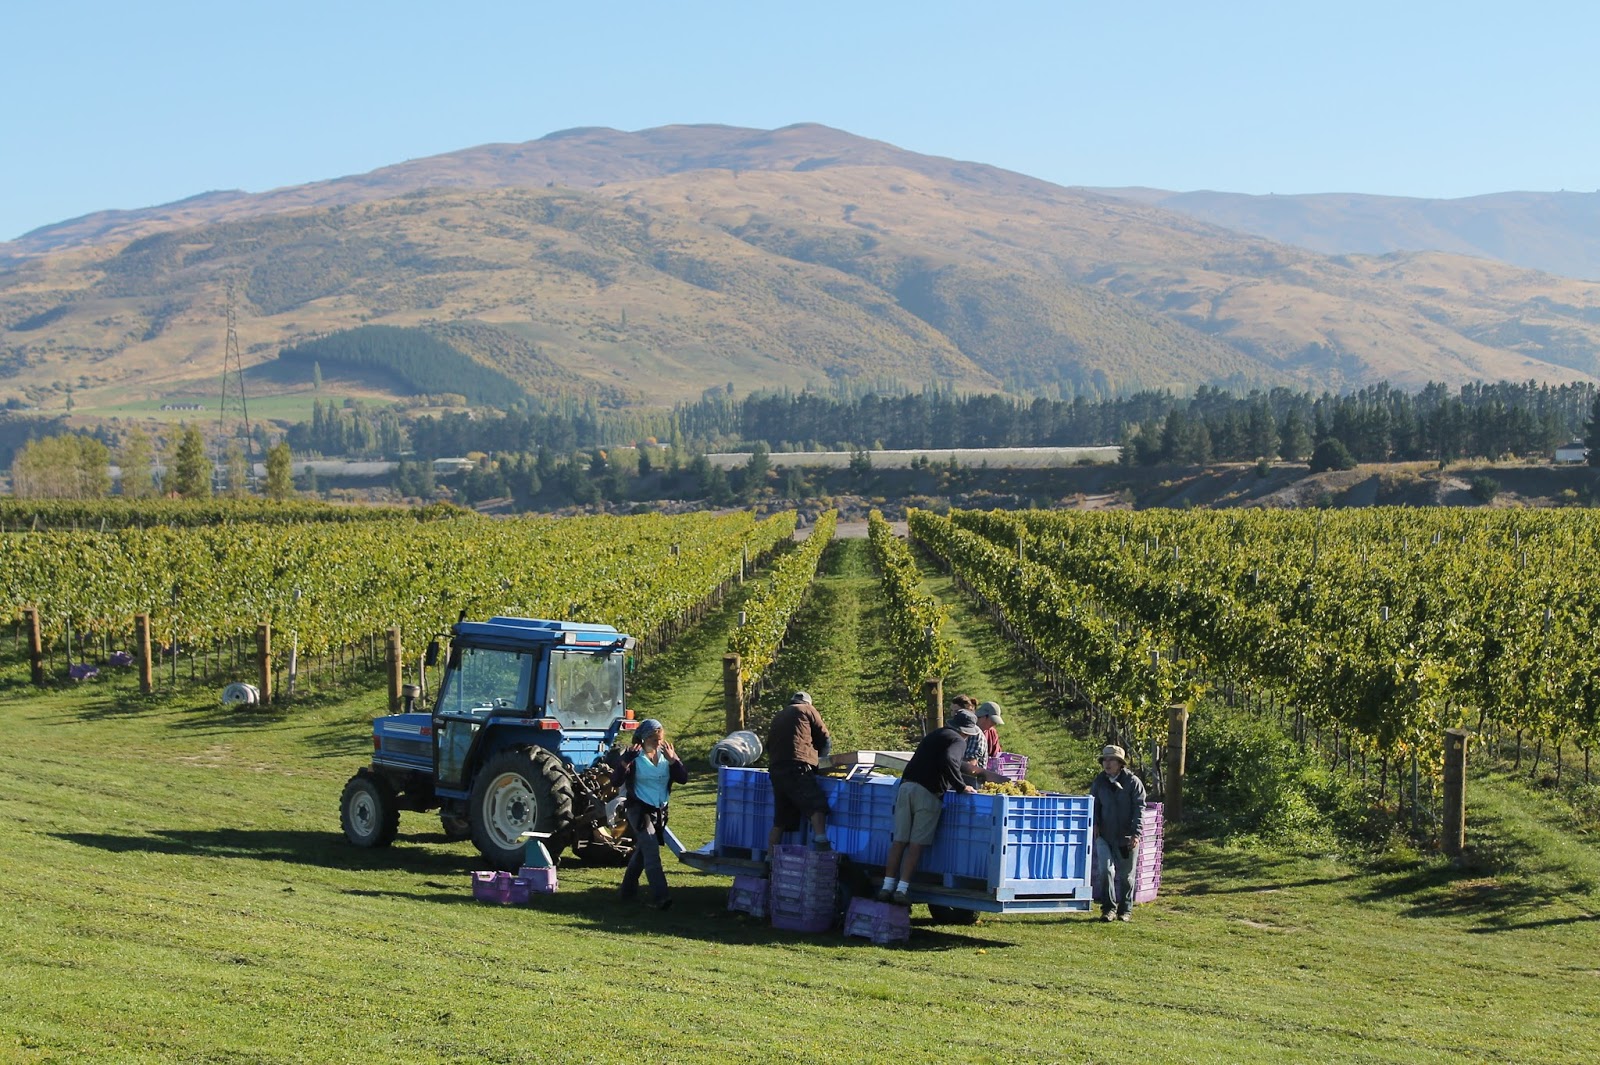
516 792
368 811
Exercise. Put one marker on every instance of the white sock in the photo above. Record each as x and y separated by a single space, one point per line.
888 883
904 885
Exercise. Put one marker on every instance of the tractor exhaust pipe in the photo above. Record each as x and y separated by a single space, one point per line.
409 694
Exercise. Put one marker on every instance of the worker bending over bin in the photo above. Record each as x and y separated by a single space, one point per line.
795 740
1118 819
934 769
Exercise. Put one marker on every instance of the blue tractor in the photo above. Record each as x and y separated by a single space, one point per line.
516 742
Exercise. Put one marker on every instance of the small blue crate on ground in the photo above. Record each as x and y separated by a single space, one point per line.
748 895
881 922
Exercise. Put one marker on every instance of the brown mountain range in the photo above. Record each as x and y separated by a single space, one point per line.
648 266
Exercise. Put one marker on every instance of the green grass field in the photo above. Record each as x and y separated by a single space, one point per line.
175 888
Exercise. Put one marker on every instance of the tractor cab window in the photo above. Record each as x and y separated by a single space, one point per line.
585 689
485 681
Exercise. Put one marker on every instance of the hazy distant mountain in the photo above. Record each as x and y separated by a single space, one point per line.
646 267
1557 232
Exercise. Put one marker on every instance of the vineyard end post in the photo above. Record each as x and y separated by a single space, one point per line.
933 699
141 647
395 664
1177 746
732 694
1455 791
30 616
264 662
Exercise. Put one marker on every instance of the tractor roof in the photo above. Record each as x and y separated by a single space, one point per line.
524 631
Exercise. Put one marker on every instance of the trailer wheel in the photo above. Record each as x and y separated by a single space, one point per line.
952 915
519 791
368 810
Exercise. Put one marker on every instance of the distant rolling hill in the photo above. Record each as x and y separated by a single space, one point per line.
1557 232
646 267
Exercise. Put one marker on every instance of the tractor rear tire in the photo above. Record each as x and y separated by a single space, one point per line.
369 811
519 791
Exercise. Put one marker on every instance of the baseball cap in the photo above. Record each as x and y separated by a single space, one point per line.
991 711
963 722
799 697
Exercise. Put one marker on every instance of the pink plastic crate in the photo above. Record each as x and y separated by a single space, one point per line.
499 887
802 922
1010 766
541 879
748 895
801 892
881 922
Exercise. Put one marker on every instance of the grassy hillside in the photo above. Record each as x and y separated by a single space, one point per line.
793 258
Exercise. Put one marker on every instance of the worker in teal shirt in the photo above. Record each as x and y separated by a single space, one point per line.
646 774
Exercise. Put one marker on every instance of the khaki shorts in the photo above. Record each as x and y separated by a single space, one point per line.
916 813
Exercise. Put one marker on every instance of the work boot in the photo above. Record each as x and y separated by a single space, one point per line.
822 846
660 904
899 898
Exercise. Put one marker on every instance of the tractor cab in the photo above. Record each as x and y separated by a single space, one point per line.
514 742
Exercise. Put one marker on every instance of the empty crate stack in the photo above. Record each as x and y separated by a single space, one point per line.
1147 874
803 888
748 895
881 922
1147 867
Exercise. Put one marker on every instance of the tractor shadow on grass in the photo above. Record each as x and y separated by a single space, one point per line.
322 849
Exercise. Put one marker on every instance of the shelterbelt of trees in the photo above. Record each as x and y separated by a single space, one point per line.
1374 425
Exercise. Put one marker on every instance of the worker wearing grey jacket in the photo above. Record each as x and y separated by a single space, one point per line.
1118 820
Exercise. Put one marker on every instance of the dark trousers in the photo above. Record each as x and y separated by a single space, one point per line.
644 823
1113 875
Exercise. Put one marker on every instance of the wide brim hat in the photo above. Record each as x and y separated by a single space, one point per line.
1111 750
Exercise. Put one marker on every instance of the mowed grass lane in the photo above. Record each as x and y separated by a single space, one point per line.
173 887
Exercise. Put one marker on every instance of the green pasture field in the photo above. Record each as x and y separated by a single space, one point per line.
174 887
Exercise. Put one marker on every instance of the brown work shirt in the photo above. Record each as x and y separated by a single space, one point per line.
796 734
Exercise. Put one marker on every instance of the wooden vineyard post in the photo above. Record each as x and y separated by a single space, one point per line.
30 616
264 662
1455 791
141 648
395 663
1177 745
732 694
933 699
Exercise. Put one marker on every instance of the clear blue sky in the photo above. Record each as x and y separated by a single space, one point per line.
129 105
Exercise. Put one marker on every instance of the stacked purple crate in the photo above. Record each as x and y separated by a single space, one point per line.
802 888
881 922
1010 766
748 895
1147 866
1147 875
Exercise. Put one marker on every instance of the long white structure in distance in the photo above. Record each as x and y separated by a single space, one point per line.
1024 458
